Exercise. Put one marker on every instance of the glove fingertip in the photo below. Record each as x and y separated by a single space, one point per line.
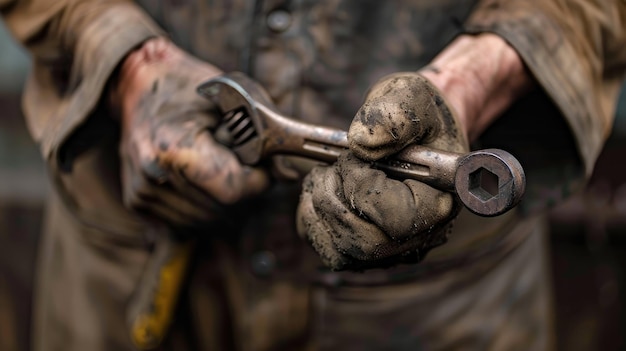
309 227
369 138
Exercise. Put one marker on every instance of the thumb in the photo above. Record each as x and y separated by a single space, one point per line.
400 109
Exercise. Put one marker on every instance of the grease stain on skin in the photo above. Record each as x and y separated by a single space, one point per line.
153 170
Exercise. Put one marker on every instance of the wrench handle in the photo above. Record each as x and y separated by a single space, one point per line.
260 131
433 167
283 135
488 182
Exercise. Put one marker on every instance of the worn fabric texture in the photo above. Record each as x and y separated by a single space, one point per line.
255 285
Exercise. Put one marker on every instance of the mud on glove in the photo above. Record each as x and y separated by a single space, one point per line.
353 214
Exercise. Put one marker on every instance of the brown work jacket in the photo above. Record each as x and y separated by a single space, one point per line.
317 64
316 59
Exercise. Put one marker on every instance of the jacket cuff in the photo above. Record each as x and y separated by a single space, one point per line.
558 131
547 48
99 48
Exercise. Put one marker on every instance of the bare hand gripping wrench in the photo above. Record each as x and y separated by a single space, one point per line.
488 182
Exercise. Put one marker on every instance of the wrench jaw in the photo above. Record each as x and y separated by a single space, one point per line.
490 182
242 102
230 93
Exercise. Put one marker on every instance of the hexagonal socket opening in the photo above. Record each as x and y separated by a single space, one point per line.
483 184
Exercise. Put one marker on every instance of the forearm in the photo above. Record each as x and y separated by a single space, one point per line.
480 77
575 51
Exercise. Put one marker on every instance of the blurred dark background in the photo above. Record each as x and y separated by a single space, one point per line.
588 233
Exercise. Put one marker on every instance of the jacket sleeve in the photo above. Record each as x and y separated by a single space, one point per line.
75 46
576 51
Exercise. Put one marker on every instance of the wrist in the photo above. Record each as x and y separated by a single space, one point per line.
480 77
135 73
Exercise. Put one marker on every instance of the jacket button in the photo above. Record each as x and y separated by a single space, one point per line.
263 263
279 20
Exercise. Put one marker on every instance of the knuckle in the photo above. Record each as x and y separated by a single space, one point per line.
148 162
445 205
370 250
229 196
131 201
136 193
360 247
134 186
153 168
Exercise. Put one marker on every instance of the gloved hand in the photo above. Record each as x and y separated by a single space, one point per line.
171 165
354 215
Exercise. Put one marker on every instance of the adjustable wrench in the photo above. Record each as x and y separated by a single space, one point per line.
488 182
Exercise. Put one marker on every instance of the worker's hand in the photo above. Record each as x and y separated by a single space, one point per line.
354 215
171 165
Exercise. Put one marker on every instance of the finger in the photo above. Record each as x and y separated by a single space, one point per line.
171 198
363 244
343 235
442 206
140 191
144 196
351 233
401 209
181 148
315 230
216 170
400 110
192 193
166 214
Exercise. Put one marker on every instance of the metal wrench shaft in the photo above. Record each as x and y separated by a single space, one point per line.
285 136
259 131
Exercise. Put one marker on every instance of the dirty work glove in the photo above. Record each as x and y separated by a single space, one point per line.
353 214
171 165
